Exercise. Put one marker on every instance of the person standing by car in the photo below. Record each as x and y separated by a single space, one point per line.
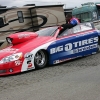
70 21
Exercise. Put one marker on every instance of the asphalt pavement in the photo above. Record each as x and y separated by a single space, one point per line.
74 80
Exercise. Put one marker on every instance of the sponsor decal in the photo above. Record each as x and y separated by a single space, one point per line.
28 56
80 46
56 62
29 64
18 62
20 36
12 50
85 48
63 60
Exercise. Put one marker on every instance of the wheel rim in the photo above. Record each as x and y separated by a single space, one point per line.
40 58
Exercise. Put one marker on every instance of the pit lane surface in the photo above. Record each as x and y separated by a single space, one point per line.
75 80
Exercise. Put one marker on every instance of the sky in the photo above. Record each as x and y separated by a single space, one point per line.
67 3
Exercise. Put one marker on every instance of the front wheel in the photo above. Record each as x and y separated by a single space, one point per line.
40 59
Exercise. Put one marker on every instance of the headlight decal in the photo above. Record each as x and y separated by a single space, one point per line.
11 58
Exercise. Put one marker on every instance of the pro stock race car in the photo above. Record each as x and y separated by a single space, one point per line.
52 45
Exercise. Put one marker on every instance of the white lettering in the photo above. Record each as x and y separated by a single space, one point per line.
87 47
80 43
52 50
84 42
56 49
75 44
68 47
80 49
75 51
60 48
90 40
95 39
79 46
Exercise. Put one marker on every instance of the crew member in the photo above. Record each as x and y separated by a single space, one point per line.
70 21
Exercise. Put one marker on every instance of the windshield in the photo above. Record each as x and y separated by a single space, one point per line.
50 31
78 28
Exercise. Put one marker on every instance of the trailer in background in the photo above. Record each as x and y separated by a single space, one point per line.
29 18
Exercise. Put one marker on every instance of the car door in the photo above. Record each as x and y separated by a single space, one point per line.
73 43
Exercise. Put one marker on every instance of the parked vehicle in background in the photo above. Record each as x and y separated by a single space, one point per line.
88 12
29 18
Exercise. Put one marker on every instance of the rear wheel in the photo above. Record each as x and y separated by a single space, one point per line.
40 59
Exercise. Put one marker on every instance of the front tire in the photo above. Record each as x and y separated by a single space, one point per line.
40 59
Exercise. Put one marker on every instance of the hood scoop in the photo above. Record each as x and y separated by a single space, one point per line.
20 37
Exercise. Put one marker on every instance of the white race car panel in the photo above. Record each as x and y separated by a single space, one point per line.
33 52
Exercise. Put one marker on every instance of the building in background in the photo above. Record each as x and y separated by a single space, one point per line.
88 12
68 10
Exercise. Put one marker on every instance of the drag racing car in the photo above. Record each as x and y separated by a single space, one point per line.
34 50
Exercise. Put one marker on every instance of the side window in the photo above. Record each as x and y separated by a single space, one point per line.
83 27
86 17
65 32
76 29
20 16
1 22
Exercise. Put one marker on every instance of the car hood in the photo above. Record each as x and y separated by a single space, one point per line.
25 47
